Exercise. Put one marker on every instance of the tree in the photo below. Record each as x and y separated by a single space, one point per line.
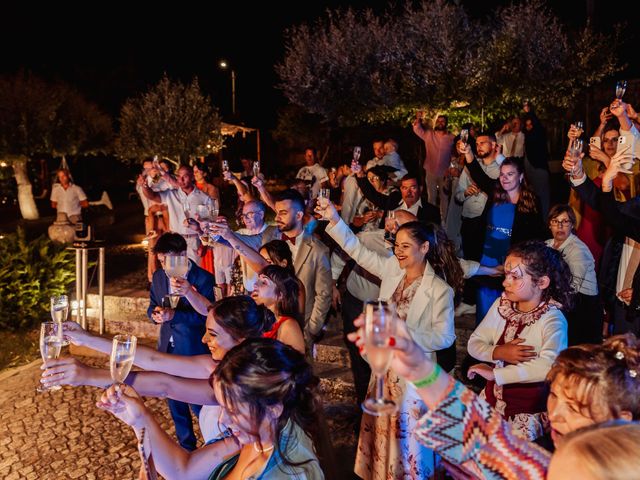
172 120
37 117
352 67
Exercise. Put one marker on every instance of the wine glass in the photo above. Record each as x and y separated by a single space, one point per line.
256 168
464 135
324 195
621 88
575 149
123 351
356 154
50 346
175 266
60 311
379 326
225 166
579 127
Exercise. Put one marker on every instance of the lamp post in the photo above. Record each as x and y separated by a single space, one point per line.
223 64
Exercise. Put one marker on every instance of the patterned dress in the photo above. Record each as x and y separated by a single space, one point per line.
388 448
476 439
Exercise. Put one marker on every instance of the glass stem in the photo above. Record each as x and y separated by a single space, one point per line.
379 389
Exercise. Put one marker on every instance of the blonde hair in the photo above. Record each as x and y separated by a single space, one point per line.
608 451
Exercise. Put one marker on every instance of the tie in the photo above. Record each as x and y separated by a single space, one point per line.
287 238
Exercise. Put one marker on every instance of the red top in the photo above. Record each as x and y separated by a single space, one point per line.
273 333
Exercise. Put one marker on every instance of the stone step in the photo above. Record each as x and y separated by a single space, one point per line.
336 383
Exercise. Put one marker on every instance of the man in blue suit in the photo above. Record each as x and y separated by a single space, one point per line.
182 327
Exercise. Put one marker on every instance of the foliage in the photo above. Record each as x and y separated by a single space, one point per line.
31 271
37 117
171 120
356 67
297 129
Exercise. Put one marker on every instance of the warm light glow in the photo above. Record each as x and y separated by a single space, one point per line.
223 64
3 164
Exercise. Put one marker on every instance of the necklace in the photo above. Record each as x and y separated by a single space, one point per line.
255 447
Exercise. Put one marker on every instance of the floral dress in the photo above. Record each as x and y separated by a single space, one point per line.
388 448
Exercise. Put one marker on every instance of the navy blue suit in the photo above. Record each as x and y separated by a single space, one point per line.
186 329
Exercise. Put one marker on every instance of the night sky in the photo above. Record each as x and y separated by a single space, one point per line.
113 51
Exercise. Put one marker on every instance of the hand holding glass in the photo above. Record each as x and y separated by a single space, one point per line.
621 88
123 351
378 328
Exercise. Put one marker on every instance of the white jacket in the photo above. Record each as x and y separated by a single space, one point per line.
431 313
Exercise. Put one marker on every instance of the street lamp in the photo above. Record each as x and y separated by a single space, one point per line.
223 64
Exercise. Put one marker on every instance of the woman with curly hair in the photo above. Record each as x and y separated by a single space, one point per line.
522 334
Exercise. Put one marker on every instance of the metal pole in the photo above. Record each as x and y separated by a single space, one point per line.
78 284
85 254
101 287
233 92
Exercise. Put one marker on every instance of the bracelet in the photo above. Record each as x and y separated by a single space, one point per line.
429 379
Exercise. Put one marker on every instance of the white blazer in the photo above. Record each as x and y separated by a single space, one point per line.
431 313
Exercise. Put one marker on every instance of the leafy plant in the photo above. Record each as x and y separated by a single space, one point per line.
31 271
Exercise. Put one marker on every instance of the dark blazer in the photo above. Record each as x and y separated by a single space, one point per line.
426 213
526 226
187 326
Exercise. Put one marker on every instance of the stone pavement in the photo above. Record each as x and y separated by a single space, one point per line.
62 435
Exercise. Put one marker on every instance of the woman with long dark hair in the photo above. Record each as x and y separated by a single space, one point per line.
421 279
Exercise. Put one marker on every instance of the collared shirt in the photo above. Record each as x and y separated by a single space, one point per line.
314 173
160 186
581 263
68 201
473 205
391 159
176 200
413 209
292 247
512 144
438 149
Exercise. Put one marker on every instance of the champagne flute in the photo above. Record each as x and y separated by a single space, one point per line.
379 326
256 168
60 312
225 166
464 135
579 126
356 153
175 266
621 88
324 195
575 149
123 351
50 346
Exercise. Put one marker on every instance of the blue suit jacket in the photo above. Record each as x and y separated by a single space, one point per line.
187 326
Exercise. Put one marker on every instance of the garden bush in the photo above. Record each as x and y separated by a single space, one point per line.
31 271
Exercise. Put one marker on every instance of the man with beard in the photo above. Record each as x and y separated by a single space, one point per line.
181 202
473 199
438 143
310 260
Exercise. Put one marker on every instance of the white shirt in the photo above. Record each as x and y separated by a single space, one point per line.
314 172
512 144
391 159
581 263
414 208
473 205
548 336
68 201
292 247
175 199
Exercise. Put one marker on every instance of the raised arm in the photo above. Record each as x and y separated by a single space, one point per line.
380 200
484 181
171 461
146 190
240 243
265 195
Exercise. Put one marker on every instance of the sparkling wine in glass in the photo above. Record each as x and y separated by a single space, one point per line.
356 153
324 195
256 168
50 346
60 311
575 149
123 351
579 126
464 135
379 326
176 266
621 88
225 166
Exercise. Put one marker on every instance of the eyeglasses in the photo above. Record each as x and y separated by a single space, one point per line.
560 223
249 214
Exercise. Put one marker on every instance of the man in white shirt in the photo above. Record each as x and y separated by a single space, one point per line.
313 173
511 138
181 202
68 198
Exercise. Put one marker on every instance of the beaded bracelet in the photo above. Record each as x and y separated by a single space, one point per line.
429 379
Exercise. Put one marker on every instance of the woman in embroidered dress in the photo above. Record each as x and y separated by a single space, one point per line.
522 334
420 279
589 384
512 215
269 400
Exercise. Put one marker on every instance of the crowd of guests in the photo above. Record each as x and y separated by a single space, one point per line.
554 289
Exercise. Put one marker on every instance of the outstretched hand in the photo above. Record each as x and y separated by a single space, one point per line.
124 403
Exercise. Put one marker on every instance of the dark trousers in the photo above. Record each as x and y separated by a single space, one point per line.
182 421
351 309
585 320
472 235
